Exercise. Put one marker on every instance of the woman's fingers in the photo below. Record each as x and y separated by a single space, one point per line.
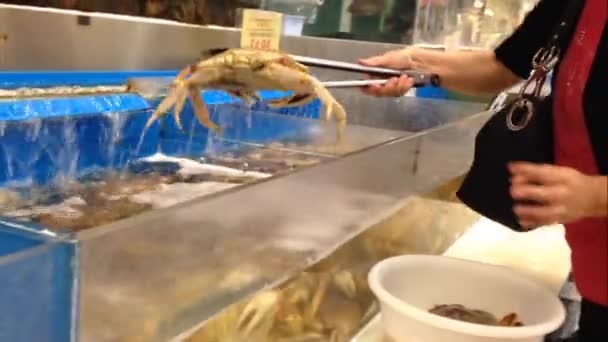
533 215
526 192
538 193
561 194
394 87
518 179
405 84
374 61
397 59
535 173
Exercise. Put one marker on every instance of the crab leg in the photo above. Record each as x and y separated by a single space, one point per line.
250 97
262 306
179 106
179 91
185 72
345 281
331 106
317 299
291 101
200 109
257 62
181 97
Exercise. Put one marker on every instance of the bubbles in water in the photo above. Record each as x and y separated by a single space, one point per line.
33 129
139 144
210 145
249 118
110 196
117 123
8 159
3 124
193 124
67 159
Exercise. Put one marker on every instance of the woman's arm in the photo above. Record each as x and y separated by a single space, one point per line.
470 72
476 72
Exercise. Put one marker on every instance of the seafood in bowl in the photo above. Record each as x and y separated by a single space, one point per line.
462 313
241 73
407 286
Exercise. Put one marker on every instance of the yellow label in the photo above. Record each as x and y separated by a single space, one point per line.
261 29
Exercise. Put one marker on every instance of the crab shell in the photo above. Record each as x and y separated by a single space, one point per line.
243 72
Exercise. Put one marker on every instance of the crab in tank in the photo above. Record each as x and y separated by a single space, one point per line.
312 307
241 73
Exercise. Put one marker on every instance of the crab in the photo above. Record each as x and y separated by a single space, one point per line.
316 306
241 73
461 313
312 307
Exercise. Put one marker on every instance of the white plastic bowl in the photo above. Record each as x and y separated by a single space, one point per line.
408 286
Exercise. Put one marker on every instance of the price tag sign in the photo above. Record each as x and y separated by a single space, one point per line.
261 29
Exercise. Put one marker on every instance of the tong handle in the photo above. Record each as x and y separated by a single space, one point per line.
362 83
423 79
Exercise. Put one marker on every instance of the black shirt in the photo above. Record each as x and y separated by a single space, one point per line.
517 51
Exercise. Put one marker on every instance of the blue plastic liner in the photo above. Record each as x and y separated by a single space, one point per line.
238 124
57 107
36 151
25 109
432 93
40 137
46 79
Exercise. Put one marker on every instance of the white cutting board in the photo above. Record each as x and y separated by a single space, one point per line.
542 254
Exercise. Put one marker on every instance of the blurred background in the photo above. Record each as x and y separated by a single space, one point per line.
473 23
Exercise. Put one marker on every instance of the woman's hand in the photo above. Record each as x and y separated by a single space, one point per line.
396 86
563 194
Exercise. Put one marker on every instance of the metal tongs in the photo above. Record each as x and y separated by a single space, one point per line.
421 79
153 86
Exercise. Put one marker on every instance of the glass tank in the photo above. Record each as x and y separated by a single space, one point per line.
161 225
